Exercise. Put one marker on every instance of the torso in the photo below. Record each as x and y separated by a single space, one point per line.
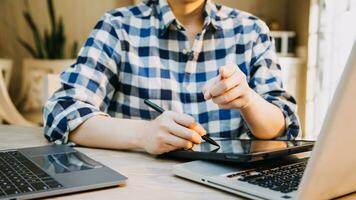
159 61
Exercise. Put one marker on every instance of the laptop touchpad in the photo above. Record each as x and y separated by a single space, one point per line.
65 162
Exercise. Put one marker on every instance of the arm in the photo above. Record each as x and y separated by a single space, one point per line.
164 134
106 132
268 110
167 132
77 111
230 91
265 120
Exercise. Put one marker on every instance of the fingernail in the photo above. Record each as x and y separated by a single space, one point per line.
197 128
206 95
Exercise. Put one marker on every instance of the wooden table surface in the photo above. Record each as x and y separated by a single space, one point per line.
149 177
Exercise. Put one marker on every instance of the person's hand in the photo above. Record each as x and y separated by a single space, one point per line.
229 89
171 131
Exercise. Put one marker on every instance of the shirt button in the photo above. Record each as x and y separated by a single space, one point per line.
179 27
184 51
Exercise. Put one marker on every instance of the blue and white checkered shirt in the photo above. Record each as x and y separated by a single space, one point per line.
142 52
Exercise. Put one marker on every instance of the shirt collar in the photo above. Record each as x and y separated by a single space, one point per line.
212 14
166 16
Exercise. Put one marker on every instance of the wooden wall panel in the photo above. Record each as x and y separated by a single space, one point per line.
79 18
268 10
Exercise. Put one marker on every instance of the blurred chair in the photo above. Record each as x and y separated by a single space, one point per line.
51 84
32 94
8 111
6 69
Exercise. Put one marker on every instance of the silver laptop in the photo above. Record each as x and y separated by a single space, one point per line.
51 170
329 172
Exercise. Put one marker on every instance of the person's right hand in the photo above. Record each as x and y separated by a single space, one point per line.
171 131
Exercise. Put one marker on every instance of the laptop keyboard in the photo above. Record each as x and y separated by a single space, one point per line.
284 178
18 175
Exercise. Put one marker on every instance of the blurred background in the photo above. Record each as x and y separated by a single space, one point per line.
40 38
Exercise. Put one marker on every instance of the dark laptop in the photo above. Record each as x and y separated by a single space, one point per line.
51 170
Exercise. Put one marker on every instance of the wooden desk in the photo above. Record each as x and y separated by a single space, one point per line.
149 177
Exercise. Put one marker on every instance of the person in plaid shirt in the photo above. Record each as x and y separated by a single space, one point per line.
203 63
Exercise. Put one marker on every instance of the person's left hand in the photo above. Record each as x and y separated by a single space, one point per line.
229 89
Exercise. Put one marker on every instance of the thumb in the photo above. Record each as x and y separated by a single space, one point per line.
226 71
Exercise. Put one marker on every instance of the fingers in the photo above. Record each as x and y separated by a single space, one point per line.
199 129
185 133
178 143
209 84
207 95
183 119
226 84
229 96
187 121
237 103
172 131
231 90
227 71
229 77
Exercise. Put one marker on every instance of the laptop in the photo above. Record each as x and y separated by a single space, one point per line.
37 172
328 173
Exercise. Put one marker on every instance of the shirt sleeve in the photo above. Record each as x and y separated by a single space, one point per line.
266 79
87 86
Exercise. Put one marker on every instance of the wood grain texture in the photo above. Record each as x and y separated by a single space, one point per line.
149 177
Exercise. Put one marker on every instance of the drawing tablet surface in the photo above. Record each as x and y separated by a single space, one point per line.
241 150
